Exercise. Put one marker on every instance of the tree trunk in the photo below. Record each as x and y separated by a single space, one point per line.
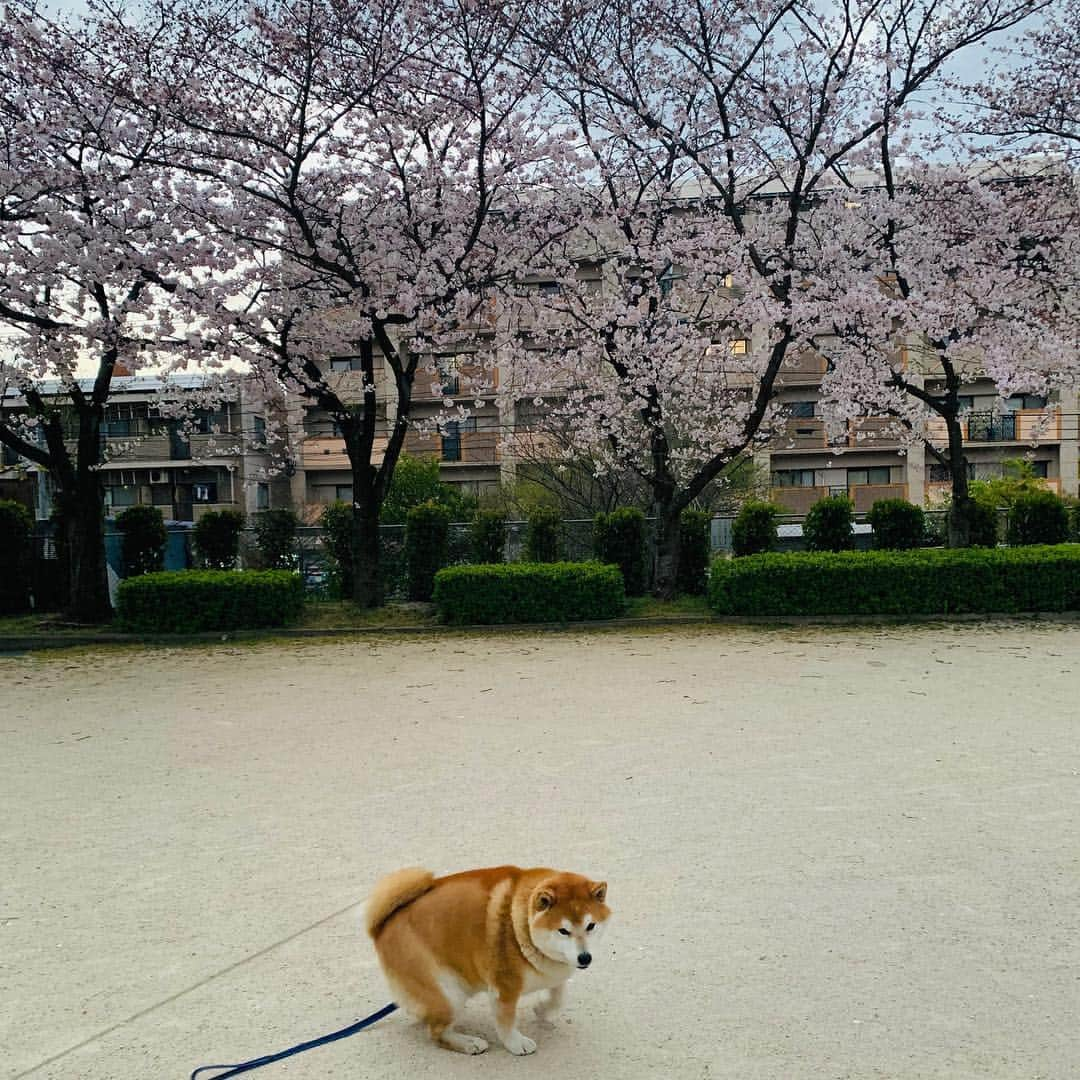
82 526
668 551
367 585
962 508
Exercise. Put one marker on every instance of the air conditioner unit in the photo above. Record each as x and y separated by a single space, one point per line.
159 476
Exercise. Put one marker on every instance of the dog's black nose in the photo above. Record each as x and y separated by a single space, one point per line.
584 959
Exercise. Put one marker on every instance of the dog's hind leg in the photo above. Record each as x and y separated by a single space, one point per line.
436 1002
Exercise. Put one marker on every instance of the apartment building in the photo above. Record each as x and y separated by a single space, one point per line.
870 462
216 458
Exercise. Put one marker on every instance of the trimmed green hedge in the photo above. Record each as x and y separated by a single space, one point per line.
926 582
189 601
529 592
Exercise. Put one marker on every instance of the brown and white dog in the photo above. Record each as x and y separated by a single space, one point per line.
504 930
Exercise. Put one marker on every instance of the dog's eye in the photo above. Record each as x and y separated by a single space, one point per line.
590 927
564 932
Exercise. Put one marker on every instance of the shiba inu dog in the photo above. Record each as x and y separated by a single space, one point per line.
503 930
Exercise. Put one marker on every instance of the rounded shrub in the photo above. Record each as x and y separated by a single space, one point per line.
984 523
427 529
217 538
543 535
16 531
192 601
898 525
488 536
275 537
144 538
695 547
754 528
1037 517
337 522
619 538
828 524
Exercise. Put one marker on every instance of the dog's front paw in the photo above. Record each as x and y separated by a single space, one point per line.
464 1044
519 1044
474 1044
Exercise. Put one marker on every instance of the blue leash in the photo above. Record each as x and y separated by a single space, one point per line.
257 1063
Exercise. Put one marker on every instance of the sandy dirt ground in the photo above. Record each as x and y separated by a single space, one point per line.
842 853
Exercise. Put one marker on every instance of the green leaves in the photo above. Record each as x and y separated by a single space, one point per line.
529 592
925 582
190 601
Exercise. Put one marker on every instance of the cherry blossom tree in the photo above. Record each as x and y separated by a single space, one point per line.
367 168
93 253
1030 100
761 109
950 274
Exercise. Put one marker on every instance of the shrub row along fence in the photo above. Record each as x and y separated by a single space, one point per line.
921 582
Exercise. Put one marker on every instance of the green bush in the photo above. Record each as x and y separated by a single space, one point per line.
695 543
190 601
619 538
1074 521
144 538
217 538
336 522
828 524
16 530
427 528
754 528
529 592
898 525
1038 517
929 581
543 535
275 537
984 522
488 536
415 481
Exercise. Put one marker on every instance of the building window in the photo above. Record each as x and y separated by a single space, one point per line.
940 474
447 369
161 495
793 478
211 421
451 442
1025 401
802 410
343 363
260 429
966 402
262 496
343 493
1040 468
121 496
740 346
878 475
204 492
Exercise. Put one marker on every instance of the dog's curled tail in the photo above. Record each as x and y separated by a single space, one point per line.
393 892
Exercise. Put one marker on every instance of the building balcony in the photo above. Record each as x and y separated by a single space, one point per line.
1024 425
798 500
802 369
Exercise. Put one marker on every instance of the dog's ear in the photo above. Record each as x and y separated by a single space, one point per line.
598 891
545 898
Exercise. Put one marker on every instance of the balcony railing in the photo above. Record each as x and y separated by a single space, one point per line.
1024 425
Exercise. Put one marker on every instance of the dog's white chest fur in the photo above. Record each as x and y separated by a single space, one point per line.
545 980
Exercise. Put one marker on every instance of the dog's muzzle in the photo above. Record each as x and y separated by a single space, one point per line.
584 960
